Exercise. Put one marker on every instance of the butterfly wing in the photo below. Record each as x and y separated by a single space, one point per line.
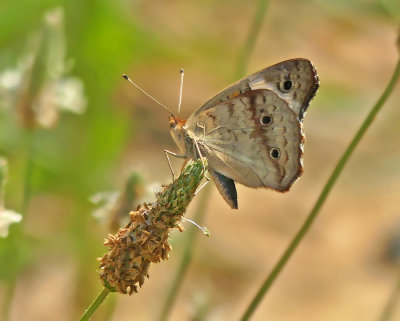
254 139
295 81
226 188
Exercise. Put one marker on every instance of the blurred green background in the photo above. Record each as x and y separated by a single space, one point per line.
63 56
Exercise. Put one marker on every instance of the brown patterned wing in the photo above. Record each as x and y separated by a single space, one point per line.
295 81
254 139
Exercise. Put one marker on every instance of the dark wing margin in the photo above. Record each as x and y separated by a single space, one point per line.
311 92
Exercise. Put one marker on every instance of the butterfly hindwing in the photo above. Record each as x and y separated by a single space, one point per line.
254 139
226 188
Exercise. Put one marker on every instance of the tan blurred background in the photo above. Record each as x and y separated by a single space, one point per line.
341 271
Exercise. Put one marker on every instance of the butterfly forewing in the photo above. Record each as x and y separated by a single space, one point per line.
295 81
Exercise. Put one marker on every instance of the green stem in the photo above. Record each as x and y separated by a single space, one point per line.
251 39
18 232
392 302
186 257
28 172
8 296
325 192
95 304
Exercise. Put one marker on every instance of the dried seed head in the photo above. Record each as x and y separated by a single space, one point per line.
144 239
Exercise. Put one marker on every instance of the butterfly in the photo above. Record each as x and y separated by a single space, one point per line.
252 132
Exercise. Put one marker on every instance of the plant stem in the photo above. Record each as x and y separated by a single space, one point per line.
8 295
28 172
186 257
321 199
18 232
251 39
95 304
392 301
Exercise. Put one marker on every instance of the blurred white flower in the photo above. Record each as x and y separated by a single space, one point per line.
64 94
69 95
113 208
151 190
58 91
7 217
105 202
10 79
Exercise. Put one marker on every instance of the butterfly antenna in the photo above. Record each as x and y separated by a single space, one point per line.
180 92
151 97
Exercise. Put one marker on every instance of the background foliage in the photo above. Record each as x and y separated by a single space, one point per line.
344 270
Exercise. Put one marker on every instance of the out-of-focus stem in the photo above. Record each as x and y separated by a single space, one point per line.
390 306
28 172
186 257
251 39
27 184
8 296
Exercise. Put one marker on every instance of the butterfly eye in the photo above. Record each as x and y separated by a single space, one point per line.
285 85
265 120
274 152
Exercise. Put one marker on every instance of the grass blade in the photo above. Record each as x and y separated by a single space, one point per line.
248 46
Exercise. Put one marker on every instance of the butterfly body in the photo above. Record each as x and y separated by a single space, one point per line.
252 132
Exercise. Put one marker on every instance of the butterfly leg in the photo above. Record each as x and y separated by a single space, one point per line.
204 129
204 168
202 186
201 156
167 152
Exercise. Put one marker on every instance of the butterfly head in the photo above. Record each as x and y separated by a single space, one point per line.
178 132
